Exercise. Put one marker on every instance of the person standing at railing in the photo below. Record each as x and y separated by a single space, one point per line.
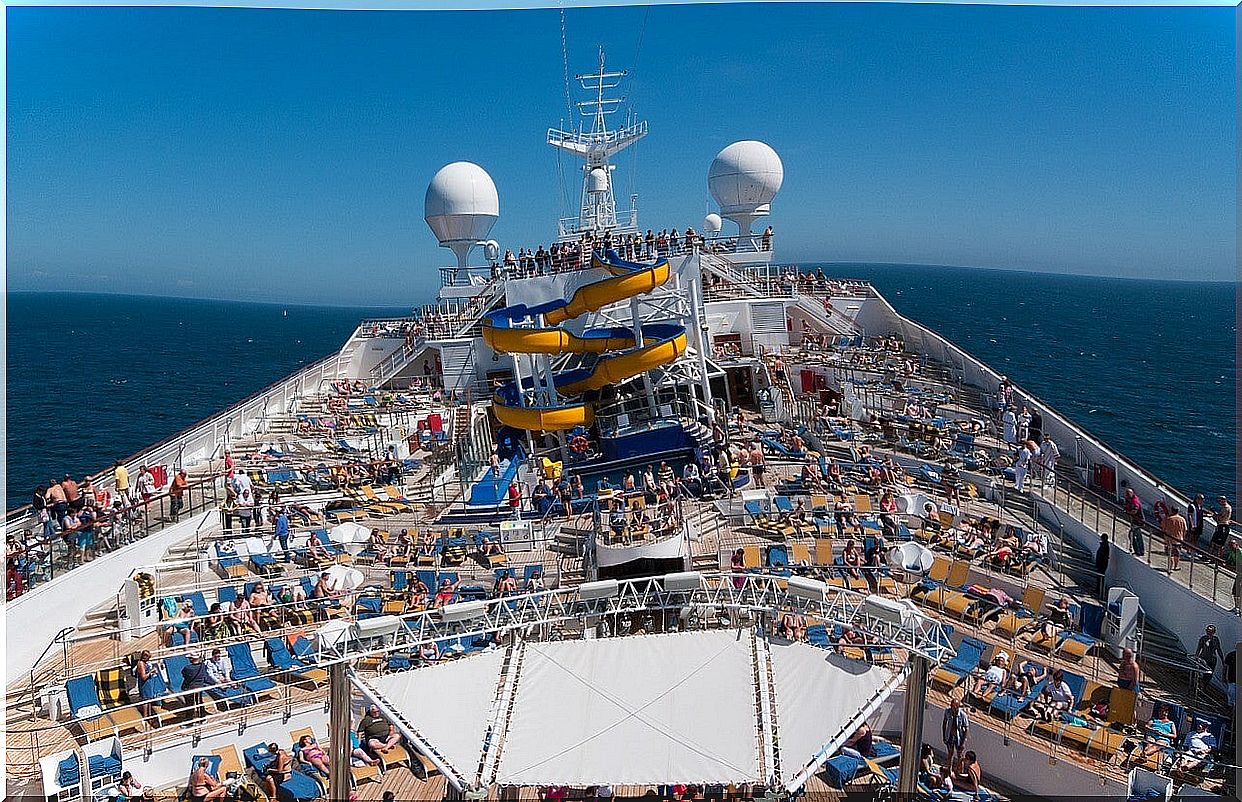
1134 511
73 495
120 480
1174 529
176 493
56 500
1194 521
146 484
1223 517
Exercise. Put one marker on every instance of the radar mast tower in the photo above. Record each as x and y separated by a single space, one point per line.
598 211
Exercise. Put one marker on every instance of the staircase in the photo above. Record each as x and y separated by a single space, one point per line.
457 324
723 268
832 322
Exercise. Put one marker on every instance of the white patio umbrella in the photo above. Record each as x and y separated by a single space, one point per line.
350 536
344 578
912 559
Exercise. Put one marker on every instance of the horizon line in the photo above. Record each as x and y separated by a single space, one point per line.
799 265
543 5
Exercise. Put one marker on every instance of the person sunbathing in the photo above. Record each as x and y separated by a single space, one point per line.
259 596
427 548
445 593
992 680
793 626
311 754
324 589
852 559
491 548
1160 736
404 546
278 771
429 652
1199 745
377 733
506 585
418 594
316 551
860 744
202 787
851 637
1055 698
378 544
243 618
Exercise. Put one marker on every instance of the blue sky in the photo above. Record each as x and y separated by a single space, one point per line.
283 155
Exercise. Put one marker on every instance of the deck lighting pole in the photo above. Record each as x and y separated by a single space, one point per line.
338 732
912 727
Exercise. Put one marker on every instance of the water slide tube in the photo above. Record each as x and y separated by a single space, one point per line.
517 330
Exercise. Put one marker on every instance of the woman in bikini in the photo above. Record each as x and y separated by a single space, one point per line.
312 754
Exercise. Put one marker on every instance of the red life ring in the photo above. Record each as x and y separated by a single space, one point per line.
579 445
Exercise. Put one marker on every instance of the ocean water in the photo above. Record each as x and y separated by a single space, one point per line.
1149 367
92 378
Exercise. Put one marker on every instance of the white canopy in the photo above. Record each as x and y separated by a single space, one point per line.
639 710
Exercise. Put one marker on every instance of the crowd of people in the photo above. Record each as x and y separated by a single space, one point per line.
86 520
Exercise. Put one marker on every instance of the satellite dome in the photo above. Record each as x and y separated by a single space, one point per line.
744 178
712 223
598 180
461 206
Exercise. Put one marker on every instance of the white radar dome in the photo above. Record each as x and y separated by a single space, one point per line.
712 223
461 206
744 178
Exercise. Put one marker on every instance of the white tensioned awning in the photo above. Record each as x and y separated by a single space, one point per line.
694 707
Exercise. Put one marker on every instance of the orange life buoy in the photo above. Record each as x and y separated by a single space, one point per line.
579 445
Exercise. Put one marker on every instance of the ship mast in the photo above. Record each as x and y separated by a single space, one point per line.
598 210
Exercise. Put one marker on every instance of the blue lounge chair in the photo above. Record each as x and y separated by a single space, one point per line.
298 788
953 673
84 706
300 669
245 671
1008 705
225 696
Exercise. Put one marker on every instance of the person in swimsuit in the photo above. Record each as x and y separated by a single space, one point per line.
203 787
278 771
312 754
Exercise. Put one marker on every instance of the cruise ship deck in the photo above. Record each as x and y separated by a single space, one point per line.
322 459
653 513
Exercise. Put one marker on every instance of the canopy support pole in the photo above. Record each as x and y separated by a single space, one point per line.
912 727
338 732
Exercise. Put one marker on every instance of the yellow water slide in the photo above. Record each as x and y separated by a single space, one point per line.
517 329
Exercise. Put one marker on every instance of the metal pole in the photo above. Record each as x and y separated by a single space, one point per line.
912 728
338 732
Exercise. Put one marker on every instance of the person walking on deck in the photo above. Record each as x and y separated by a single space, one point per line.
954 730
1223 517
1134 511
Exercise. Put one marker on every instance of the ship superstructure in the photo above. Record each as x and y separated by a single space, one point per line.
518 521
